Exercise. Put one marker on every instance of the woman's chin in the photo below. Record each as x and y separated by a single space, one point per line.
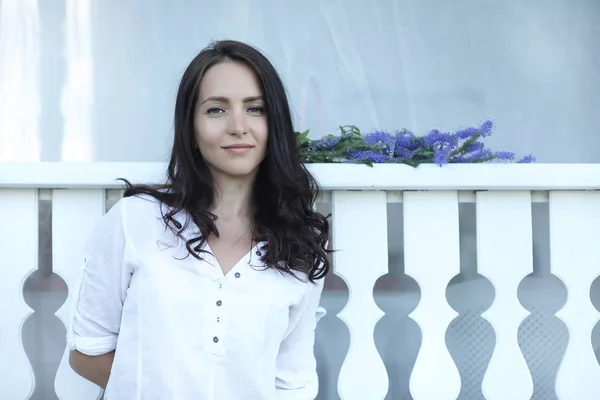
239 172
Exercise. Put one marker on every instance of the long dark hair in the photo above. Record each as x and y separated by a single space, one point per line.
284 193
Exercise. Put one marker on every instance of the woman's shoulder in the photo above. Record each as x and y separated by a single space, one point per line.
143 218
139 203
141 209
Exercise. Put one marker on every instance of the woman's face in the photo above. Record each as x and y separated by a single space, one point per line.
230 122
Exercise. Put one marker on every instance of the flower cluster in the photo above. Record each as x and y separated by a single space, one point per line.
403 147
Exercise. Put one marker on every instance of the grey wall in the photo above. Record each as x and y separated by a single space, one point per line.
533 67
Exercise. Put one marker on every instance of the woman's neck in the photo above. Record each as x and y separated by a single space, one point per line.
233 198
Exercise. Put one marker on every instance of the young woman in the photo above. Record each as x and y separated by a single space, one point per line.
208 287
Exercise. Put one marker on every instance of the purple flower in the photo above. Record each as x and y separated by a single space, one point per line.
486 128
405 144
379 137
526 159
505 156
411 142
476 156
326 143
402 141
404 135
432 138
381 141
441 155
459 160
442 143
467 133
474 147
402 154
436 137
379 146
369 156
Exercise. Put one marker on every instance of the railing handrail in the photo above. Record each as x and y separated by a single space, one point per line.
491 176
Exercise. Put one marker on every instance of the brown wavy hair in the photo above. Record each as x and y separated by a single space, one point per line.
284 194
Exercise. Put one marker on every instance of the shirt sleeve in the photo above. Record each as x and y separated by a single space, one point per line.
98 296
296 375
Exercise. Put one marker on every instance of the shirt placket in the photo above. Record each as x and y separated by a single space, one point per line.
218 322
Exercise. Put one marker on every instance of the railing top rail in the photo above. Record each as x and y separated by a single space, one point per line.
60 175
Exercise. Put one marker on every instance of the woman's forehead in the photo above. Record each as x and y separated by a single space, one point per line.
230 80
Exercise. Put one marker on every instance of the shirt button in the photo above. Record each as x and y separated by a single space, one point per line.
218 319
216 339
237 275
219 303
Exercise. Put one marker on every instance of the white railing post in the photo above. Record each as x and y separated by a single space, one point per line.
575 259
432 257
74 214
505 257
361 257
18 259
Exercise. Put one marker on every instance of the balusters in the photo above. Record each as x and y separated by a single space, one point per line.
360 238
74 214
431 245
18 258
505 257
575 259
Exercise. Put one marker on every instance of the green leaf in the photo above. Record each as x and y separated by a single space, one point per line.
302 137
465 146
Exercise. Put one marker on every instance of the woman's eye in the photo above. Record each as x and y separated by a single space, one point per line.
257 110
214 110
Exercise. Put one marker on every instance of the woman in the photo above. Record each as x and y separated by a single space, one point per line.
208 287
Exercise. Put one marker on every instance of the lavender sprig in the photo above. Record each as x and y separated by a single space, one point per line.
379 146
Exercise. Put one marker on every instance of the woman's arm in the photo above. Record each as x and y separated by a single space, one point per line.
296 375
98 298
93 368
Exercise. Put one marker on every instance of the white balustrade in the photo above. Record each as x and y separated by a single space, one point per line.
505 257
575 259
360 236
431 254
18 259
74 213
431 195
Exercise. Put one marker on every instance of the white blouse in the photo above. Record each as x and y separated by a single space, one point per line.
183 330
